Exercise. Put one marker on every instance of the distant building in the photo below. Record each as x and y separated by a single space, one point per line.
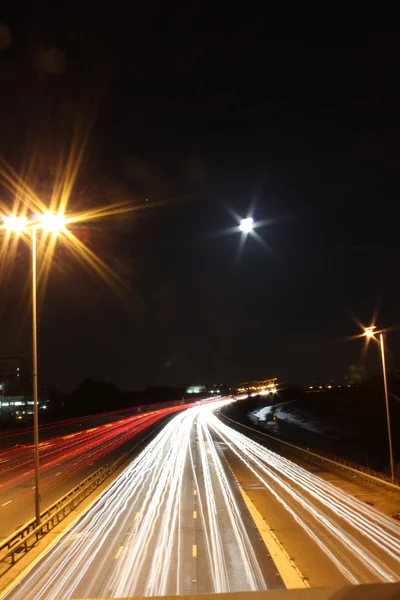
196 389
15 388
15 376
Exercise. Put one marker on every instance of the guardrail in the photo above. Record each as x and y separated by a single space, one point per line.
354 468
29 534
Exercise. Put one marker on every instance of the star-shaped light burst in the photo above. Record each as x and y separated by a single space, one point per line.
247 227
55 223
55 227
370 333
14 223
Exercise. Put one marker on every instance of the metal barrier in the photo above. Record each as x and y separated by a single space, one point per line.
354 468
24 538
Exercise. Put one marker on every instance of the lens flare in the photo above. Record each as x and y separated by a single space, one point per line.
14 223
52 222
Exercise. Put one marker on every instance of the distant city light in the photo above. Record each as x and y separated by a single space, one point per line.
195 389
246 225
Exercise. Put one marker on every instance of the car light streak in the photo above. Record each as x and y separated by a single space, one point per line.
175 504
67 422
89 445
146 501
249 562
345 514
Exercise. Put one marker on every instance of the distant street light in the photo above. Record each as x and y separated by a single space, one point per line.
49 223
247 225
370 333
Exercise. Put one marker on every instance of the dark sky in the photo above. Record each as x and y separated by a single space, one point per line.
207 114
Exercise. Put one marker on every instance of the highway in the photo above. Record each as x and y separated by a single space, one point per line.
65 459
335 537
174 523
171 523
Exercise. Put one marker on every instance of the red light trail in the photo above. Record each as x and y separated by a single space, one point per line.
75 451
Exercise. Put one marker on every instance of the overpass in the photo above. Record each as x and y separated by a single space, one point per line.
363 592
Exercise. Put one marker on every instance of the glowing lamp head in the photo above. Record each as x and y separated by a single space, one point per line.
246 225
369 331
52 222
14 224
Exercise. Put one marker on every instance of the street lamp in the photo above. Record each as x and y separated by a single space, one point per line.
370 333
247 225
15 224
50 223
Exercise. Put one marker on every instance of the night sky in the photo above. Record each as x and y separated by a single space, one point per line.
205 115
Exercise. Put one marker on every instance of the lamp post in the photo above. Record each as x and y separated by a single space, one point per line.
369 333
35 378
53 223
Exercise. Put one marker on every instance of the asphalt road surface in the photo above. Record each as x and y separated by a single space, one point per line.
174 523
334 537
68 454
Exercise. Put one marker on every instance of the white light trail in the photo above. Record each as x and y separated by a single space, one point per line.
141 534
338 520
144 507
249 561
